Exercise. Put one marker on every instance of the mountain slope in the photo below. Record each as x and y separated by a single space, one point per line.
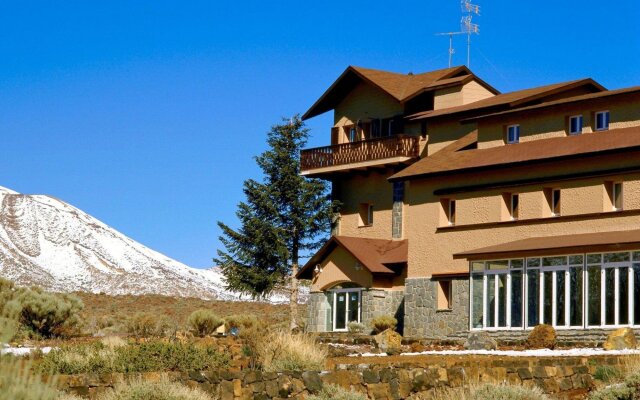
46 242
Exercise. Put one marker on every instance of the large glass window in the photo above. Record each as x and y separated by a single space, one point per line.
583 290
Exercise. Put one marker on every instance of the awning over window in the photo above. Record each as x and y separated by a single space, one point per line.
374 254
557 245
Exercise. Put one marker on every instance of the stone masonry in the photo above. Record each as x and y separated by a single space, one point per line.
396 212
376 302
421 316
318 312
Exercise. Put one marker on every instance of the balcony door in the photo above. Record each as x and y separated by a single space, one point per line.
346 308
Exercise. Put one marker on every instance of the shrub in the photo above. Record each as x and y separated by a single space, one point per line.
356 327
284 351
45 314
162 390
203 322
241 321
490 392
135 357
607 373
384 322
18 383
146 325
334 392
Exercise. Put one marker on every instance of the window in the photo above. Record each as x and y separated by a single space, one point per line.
444 295
375 128
616 196
575 125
602 120
353 134
513 134
514 206
366 214
451 211
555 202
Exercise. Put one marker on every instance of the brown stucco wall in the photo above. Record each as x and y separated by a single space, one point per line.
480 221
372 188
552 122
340 266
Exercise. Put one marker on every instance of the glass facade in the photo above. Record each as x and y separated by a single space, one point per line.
573 291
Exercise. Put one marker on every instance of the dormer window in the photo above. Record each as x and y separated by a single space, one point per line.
602 121
575 125
513 134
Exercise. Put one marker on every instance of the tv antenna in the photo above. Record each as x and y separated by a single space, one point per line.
467 27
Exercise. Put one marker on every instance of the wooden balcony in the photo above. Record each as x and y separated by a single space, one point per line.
391 149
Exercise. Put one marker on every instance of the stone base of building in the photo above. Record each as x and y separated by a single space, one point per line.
421 315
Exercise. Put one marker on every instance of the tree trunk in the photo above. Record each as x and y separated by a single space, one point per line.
293 300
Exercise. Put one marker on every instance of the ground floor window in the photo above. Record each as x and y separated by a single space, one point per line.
345 306
572 291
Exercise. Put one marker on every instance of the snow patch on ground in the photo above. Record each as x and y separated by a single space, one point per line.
577 352
23 351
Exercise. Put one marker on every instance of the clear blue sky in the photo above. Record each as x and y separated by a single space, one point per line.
147 114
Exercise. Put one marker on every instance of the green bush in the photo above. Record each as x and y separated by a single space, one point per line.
334 392
48 314
134 357
18 383
356 327
607 373
162 390
204 322
145 325
384 322
627 390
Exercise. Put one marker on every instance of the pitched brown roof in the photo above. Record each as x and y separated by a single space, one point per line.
557 245
511 99
568 100
401 87
373 254
450 160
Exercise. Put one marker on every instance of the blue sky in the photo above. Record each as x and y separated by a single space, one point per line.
147 114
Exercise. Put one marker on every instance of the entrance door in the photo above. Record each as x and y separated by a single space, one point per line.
346 308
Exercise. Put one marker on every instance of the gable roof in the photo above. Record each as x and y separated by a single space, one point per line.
511 99
373 254
402 87
451 160
567 100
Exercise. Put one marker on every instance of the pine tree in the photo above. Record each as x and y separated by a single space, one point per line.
283 218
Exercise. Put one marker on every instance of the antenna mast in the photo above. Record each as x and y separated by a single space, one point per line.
467 27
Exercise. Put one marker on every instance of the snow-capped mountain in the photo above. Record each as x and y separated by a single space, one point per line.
49 243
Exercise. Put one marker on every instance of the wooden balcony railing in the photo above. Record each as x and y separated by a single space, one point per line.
356 152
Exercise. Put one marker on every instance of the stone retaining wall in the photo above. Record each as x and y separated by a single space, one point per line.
379 377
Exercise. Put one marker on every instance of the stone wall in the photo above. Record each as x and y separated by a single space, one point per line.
317 312
379 378
376 302
421 316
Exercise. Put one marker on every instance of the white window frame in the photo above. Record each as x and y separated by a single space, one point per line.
451 212
571 118
335 308
512 208
607 120
553 202
614 193
603 291
516 128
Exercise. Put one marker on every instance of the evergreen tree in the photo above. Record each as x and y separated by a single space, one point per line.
283 218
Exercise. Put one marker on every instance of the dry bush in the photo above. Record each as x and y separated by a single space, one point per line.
111 342
284 351
384 322
334 392
145 325
162 390
356 327
486 392
204 322
241 321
